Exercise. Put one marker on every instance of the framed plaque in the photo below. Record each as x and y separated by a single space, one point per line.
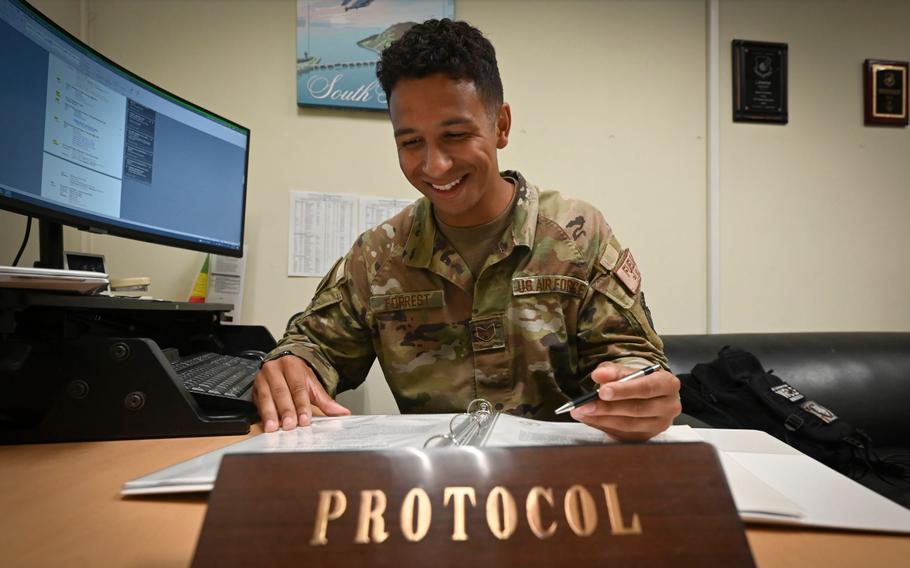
759 82
885 92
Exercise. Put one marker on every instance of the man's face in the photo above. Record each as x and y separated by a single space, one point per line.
447 143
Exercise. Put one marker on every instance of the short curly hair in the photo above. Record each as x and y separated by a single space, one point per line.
456 49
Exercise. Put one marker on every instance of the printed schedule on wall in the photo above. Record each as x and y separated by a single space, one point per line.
322 227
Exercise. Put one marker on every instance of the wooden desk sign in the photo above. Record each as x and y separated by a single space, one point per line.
616 505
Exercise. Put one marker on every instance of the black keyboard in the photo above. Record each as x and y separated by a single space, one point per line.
218 381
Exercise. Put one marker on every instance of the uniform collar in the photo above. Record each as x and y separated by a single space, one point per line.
524 218
422 241
418 250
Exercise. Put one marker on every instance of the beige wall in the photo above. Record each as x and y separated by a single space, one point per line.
609 104
814 214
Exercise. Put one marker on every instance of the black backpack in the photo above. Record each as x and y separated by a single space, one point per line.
735 391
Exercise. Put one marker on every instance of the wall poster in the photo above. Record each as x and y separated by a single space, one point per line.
339 42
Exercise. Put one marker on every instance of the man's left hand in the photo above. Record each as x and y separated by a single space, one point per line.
636 410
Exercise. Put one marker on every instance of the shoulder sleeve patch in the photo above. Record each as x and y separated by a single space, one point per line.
610 256
627 271
325 298
333 276
327 292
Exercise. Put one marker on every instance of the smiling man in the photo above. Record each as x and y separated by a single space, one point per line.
487 287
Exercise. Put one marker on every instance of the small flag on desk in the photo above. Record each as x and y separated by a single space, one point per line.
201 286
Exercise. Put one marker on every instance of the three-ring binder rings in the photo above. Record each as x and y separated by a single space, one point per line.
470 428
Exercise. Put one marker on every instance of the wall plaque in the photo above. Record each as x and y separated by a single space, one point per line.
588 505
885 92
759 82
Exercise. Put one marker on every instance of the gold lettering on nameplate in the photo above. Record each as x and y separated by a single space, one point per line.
502 514
532 510
332 504
458 495
371 516
616 527
581 513
418 498
579 507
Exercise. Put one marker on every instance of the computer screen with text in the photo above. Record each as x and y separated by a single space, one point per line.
87 143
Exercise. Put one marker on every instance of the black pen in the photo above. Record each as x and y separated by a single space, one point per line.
593 395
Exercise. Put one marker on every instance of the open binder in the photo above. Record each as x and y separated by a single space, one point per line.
771 482
479 426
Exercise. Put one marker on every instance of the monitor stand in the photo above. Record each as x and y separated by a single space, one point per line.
80 368
50 244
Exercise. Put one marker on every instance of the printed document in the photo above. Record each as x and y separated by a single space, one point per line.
226 276
376 433
322 227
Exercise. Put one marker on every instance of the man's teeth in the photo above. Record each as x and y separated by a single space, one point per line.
447 186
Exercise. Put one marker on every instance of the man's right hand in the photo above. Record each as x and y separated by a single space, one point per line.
286 390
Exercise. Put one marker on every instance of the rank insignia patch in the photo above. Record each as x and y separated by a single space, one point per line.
488 333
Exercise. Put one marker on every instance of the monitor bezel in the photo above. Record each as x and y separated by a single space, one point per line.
49 214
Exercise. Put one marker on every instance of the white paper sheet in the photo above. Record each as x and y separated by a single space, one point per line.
325 434
827 498
755 499
321 229
514 431
226 276
375 210
323 226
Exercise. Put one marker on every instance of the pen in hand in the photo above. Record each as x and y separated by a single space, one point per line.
593 395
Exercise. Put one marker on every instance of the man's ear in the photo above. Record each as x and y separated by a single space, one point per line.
503 125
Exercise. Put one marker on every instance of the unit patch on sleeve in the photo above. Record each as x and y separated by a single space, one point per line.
627 271
524 285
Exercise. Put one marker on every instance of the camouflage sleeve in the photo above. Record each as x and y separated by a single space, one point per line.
614 323
331 335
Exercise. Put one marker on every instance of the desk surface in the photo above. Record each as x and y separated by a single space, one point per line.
61 505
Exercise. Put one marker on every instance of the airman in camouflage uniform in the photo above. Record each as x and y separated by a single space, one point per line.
545 310
485 287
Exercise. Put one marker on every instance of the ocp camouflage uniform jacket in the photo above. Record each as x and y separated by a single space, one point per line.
557 297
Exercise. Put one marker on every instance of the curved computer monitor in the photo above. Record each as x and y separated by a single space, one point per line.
89 144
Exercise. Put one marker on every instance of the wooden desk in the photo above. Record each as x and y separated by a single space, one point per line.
60 505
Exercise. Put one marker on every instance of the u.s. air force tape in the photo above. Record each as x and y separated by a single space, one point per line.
524 285
407 301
